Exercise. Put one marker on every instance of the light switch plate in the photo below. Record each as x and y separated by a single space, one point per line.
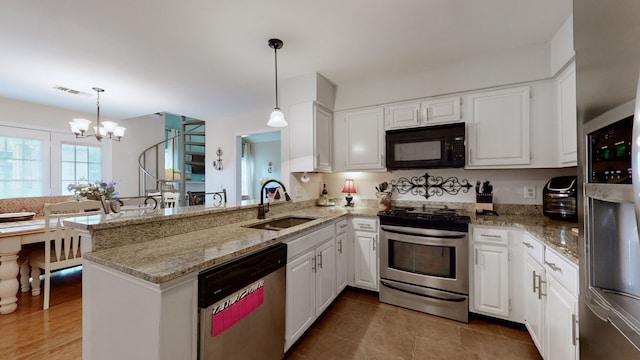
529 192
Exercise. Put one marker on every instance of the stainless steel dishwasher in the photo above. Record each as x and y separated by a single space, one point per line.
242 307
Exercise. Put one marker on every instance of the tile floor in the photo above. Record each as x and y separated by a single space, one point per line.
358 326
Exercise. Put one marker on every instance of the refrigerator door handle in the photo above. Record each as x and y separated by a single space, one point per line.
635 158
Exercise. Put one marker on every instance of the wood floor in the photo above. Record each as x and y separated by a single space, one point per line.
33 333
356 326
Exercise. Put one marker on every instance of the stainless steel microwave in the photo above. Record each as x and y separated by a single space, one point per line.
440 146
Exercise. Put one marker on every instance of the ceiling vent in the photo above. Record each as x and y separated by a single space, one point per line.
71 91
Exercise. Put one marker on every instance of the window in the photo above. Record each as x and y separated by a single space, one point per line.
80 163
42 162
24 161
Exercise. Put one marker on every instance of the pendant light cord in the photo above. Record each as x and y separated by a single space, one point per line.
275 50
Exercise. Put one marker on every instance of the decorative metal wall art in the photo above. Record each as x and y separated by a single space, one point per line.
428 186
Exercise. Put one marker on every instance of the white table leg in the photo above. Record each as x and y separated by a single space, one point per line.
9 248
23 261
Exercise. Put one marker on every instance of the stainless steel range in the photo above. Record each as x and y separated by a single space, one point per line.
424 262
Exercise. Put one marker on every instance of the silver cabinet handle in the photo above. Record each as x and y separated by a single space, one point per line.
574 322
491 236
340 246
374 243
553 266
381 159
313 264
476 256
365 226
540 282
320 260
534 281
342 226
527 245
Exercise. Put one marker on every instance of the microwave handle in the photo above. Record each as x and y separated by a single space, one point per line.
635 157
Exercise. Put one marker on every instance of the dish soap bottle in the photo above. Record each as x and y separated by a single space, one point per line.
325 194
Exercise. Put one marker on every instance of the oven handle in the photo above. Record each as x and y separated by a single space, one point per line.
414 290
431 233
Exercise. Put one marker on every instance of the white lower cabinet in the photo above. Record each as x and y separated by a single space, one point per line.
365 246
551 301
561 308
533 280
341 255
311 280
495 289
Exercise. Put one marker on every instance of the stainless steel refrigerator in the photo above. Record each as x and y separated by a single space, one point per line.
607 54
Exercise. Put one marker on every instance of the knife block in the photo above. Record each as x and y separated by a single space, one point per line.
484 202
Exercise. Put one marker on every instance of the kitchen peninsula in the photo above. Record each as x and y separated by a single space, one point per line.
143 270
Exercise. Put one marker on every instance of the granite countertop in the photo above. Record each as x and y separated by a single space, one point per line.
553 233
164 259
168 258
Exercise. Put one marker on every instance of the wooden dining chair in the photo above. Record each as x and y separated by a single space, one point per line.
199 197
63 246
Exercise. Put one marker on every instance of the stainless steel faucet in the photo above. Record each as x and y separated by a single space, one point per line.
261 210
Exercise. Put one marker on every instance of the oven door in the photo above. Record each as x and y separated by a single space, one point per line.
425 257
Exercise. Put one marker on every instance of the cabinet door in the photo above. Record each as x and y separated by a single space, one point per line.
402 116
441 110
365 140
310 127
341 262
491 279
560 327
325 275
322 139
533 304
499 128
366 260
300 306
567 117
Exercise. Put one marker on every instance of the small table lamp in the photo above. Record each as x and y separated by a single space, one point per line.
349 188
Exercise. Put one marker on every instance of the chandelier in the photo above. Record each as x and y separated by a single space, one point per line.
108 129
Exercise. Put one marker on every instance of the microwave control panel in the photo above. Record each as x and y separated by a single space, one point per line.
457 149
610 153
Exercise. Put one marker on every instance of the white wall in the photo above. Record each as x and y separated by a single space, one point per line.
562 46
518 65
142 132
508 185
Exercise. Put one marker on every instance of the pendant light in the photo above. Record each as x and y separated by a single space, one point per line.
107 129
277 117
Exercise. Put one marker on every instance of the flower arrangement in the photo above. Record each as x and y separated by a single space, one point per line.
94 191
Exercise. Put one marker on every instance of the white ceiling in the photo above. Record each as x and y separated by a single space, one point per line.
210 58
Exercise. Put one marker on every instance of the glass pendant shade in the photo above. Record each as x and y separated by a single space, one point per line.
109 126
81 124
119 131
277 119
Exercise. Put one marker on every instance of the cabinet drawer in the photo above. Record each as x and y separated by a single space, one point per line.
341 226
562 270
533 247
303 243
491 236
365 224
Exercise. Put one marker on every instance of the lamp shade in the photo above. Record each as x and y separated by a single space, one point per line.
349 187
277 119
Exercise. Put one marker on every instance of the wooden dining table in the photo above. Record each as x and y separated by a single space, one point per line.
14 234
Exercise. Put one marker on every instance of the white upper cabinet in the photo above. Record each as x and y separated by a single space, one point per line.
359 139
310 140
441 110
498 128
427 112
567 117
402 116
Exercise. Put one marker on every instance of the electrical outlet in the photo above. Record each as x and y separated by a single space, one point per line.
529 192
297 192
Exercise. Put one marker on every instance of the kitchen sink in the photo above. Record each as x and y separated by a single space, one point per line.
281 223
